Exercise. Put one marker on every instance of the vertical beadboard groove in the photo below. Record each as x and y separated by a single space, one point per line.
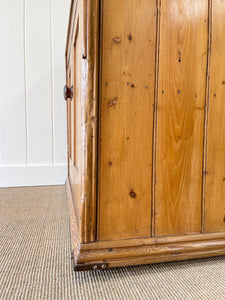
21 163
205 142
52 79
25 78
157 53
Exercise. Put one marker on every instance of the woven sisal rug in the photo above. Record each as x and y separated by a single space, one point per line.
35 259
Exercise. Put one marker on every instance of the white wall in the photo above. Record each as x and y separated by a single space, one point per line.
32 76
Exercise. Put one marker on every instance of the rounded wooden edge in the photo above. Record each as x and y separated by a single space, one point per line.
125 262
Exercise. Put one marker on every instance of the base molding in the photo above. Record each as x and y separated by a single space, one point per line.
162 251
37 175
108 254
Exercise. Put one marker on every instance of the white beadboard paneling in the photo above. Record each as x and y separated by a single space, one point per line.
60 16
32 75
32 175
12 84
39 81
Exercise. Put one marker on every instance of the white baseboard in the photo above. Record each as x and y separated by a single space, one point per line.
12 176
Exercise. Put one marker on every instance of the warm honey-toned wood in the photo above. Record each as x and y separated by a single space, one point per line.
132 252
175 249
215 168
74 51
151 259
68 106
75 131
75 89
180 116
82 59
90 114
74 222
188 238
126 124
146 119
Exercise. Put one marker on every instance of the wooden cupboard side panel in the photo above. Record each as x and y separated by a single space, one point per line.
180 118
75 132
128 42
74 68
68 105
215 178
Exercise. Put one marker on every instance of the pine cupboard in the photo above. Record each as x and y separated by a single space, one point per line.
145 94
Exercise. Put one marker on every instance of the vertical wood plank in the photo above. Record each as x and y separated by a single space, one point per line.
69 118
215 172
126 109
68 114
180 124
12 84
158 22
75 160
90 114
75 107
39 87
75 83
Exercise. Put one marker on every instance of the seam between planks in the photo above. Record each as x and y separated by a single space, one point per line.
206 119
157 54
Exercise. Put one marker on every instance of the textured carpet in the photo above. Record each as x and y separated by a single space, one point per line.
35 259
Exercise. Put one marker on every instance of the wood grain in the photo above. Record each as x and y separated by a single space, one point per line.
215 172
154 106
131 252
74 221
89 105
180 118
74 123
83 62
150 250
68 104
126 118
74 102
161 240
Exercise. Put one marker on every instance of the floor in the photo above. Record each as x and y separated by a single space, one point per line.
35 259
